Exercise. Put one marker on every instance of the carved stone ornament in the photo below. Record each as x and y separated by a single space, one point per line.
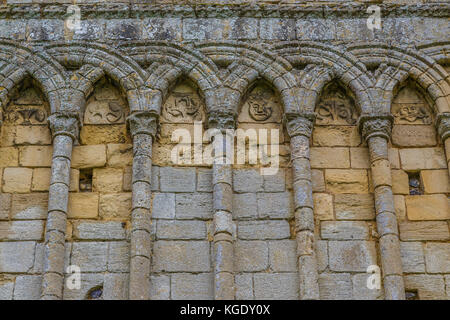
411 114
143 122
376 126
65 123
299 124
26 115
259 111
221 120
335 108
104 112
443 125
183 108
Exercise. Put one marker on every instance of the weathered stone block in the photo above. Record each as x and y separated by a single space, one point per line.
119 256
323 206
108 180
9 157
5 206
427 207
102 230
275 182
412 257
177 179
351 255
101 134
163 205
6 290
181 230
28 287
435 181
119 155
17 180
244 206
204 180
346 181
193 206
192 286
276 286
424 230
414 136
275 205
400 182
437 257
344 230
247 180
29 206
117 205
422 158
89 281
359 158
429 287
318 181
336 136
35 135
36 156
116 286
283 256
17 256
83 205
181 256
354 206
360 290
263 229
244 286
159 287
90 256
335 286
322 255
22 230
321 157
91 156
251 256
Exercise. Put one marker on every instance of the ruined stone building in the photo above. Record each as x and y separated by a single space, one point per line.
92 96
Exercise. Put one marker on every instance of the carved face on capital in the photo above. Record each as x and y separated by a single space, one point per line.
259 110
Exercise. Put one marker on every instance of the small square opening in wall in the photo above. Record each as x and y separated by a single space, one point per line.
86 180
415 185
411 295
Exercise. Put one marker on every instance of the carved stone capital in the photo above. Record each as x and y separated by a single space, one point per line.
65 123
299 124
143 122
375 126
443 125
222 120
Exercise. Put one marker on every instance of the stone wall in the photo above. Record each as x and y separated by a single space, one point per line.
86 172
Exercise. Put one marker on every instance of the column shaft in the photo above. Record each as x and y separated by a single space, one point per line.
443 128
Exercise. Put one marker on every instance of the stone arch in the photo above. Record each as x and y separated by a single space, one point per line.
343 66
166 62
408 62
246 63
20 61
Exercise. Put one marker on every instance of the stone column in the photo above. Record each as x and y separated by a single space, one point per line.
443 128
223 205
299 128
143 127
65 130
376 130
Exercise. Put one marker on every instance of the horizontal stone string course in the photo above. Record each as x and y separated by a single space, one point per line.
376 131
299 128
143 128
65 130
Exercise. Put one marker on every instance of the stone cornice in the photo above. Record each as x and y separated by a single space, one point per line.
255 10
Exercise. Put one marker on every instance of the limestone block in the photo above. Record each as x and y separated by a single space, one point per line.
263 230
400 208
346 181
276 286
427 207
83 205
424 230
192 286
394 158
400 182
360 290
353 256
247 180
102 134
28 287
22 230
422 158
42 176
29 206
119 155
323 206
336 136
429 287
159 287
34 135
9 157
181 256
354 206
204 180
163 205
335 286
275 205
177 179
117 205
318 181
89 281
17 256
244 206
5 206
435 181
244 286
99 230
283 256
414 136
277 29
251 256
325 157
322 255
276 182
119 256
90 256
412 257
359 158
17 180
116 286
107 180
36 156
162 28
437 257
90 156
193 206
181 230
6 290
344 230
